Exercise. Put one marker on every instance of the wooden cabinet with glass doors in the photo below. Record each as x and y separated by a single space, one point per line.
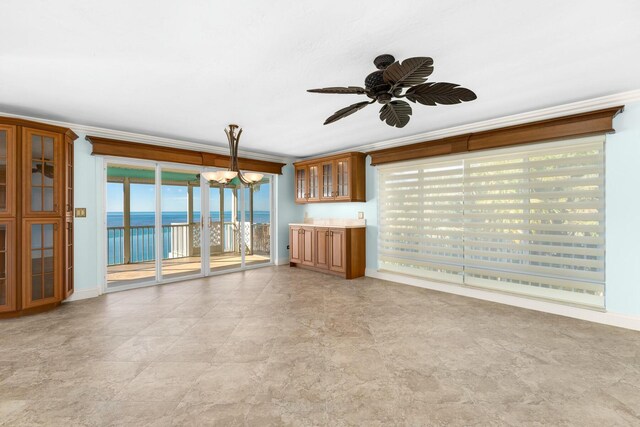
36 216
338 178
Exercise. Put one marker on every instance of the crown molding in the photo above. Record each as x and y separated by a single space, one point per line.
500 122
151 139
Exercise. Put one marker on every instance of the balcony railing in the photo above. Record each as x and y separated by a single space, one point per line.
183 240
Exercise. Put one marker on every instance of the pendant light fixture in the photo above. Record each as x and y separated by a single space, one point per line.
224 177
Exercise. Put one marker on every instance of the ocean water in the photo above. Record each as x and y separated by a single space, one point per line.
116 219
143 239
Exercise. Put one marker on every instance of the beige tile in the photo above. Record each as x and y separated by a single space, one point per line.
141 348
168 327
162 382
282 346
227 383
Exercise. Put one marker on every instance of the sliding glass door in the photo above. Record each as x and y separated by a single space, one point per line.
181 224
258 222
130 218
165 222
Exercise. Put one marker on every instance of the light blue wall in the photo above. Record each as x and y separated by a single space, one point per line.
86 246
623 213
288 211
350 210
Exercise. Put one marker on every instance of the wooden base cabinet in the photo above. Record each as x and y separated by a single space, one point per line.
335 250
36 216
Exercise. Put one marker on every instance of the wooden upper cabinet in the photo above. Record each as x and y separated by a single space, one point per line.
327 187
42 173
301 184
7 170
314 183
339 178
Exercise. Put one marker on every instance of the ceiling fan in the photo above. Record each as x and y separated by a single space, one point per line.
394 79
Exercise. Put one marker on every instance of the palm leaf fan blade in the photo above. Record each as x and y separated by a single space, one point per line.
411 71
346 111
339 90
396 113
440 93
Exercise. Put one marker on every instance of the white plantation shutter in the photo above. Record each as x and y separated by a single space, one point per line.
526 219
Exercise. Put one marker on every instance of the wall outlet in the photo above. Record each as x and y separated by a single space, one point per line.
81 213
306 214
360 215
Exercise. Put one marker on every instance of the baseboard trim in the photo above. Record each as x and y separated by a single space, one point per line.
81 294
282 261
603 317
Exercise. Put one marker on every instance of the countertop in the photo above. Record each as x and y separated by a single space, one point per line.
332 222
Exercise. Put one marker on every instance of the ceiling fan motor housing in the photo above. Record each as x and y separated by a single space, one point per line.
383 61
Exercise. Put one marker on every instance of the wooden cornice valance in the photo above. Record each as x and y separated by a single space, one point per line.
584 124
68 133
134 150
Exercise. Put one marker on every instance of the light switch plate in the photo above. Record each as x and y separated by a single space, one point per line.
81 212
360 215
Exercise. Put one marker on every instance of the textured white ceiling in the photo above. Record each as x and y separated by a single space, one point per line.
185 69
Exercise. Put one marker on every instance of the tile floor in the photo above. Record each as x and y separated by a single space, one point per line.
281 346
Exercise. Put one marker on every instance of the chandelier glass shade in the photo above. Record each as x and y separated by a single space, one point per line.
225 176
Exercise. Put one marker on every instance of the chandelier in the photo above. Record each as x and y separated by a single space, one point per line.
225 176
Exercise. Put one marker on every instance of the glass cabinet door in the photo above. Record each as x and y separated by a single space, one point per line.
41 261
69 178
314 181
41 157
342 179
328 191
7 286
301 183
7 171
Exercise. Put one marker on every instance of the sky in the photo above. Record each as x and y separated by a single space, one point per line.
174 198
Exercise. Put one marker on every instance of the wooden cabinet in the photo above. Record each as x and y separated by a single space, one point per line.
337 243
321 235
339 178
308 257
295 244
307 183
41 261
335 250
36 216
7 265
